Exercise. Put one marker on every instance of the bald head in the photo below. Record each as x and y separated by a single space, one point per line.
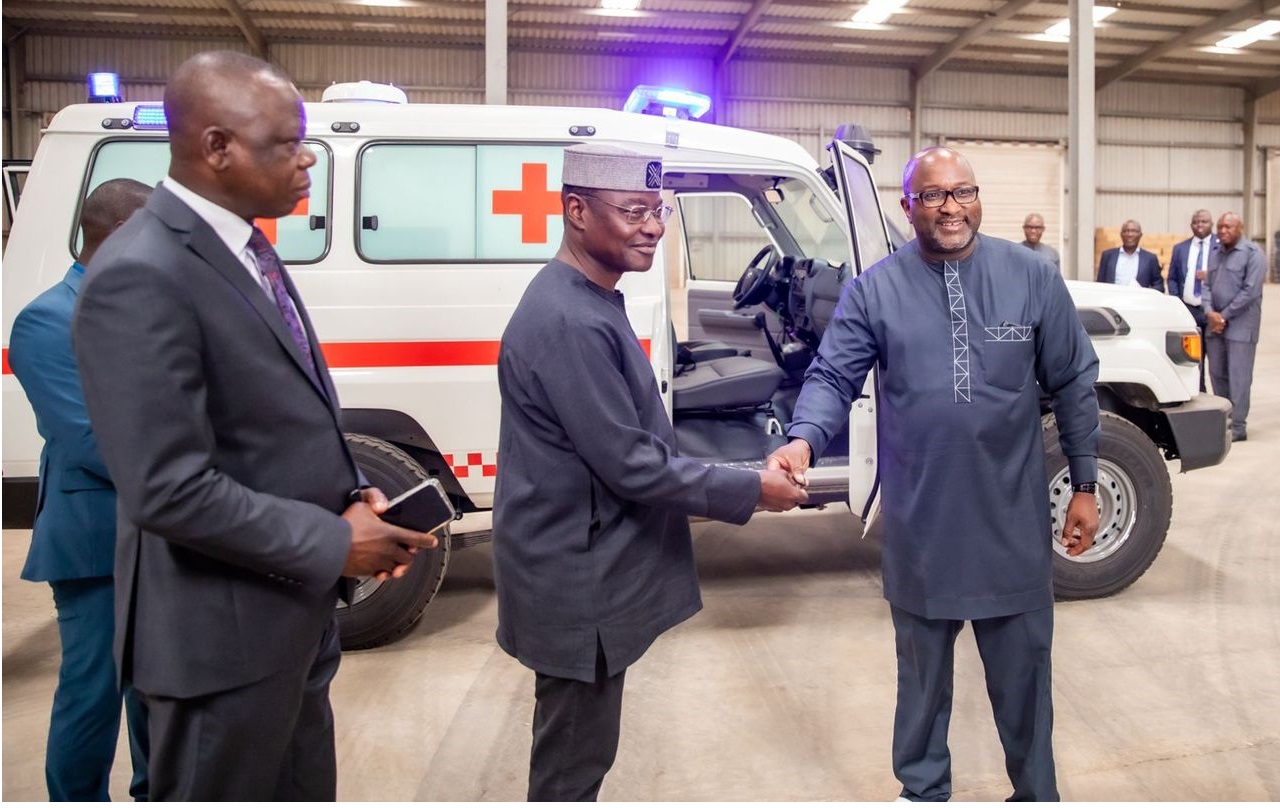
236 125
106 208
1230 229
215 89
1201 223
1130 235
1033 228
945 227
930 161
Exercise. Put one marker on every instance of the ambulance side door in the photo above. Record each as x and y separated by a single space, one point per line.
870 243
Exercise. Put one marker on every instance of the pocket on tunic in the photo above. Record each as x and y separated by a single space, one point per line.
1008 356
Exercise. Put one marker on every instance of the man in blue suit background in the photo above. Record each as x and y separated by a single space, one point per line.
74 538
1128 264
1188 268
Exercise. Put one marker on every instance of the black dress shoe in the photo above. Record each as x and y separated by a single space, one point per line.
1237 437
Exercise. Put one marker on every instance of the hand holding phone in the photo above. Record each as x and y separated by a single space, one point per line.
425 507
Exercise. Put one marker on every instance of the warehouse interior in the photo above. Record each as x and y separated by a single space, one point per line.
782 688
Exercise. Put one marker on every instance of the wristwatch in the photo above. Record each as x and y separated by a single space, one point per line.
1085 488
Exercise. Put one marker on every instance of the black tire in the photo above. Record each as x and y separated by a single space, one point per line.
1135 501
383 612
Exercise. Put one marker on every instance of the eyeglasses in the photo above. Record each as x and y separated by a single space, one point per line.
638 214
965 195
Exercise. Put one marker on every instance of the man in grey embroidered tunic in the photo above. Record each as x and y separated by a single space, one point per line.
592 552
965 331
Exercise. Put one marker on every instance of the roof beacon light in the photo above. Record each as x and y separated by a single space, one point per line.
104 88
670 102
364 92
149 116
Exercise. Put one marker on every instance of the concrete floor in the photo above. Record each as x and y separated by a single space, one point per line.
783 687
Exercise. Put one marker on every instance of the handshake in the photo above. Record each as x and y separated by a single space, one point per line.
783 482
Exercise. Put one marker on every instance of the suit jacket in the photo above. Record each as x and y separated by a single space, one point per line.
228 458
75 529
1148 268
1234 289
1179 277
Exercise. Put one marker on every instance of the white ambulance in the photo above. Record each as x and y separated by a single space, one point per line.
426 222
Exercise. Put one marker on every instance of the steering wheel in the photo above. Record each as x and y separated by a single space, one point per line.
753 286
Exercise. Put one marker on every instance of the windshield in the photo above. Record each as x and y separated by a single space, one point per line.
810 222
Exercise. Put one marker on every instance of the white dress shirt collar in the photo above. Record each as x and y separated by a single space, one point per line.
233 230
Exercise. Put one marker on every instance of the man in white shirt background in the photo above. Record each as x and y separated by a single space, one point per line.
1129 265
1187 268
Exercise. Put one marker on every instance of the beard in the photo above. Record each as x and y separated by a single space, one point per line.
939 241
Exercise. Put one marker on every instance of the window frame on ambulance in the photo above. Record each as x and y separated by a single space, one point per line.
360 214
87 184
690 234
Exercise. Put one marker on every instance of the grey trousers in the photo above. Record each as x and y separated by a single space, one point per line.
272 740
1231 371
1015 652
575 735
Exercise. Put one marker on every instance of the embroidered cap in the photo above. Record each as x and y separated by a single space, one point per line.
609 168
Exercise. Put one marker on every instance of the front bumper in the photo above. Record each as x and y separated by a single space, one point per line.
1200 430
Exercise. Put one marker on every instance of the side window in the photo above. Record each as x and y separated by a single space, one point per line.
813 227
300 237
721 235
146 161
422 203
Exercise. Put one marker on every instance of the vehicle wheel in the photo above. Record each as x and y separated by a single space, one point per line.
1135 502
383 612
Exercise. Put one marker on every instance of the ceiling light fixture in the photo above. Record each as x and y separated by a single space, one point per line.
619 5
375 26
119 15
1263 30
386 3
877 11
1060 31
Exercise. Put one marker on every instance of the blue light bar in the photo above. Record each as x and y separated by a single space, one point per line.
670 102
149 116
104 87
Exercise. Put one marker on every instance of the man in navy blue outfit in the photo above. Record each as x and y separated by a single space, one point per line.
74 538
966 331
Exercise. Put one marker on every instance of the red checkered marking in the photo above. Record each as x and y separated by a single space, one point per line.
473 464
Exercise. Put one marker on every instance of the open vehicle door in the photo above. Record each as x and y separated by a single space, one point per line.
15 176
870 243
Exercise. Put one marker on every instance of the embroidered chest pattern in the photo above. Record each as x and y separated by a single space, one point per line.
959 333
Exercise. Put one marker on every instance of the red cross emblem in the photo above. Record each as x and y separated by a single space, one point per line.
533 203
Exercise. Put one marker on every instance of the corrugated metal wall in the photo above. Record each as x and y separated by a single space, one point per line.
1163 150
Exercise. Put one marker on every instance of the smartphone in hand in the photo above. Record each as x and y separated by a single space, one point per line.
425 507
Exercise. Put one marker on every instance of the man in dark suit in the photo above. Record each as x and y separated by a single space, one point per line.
1129 265
215 414
1233 316
1187 269
74 538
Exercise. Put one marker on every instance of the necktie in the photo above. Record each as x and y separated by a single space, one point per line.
271 269
1199 266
